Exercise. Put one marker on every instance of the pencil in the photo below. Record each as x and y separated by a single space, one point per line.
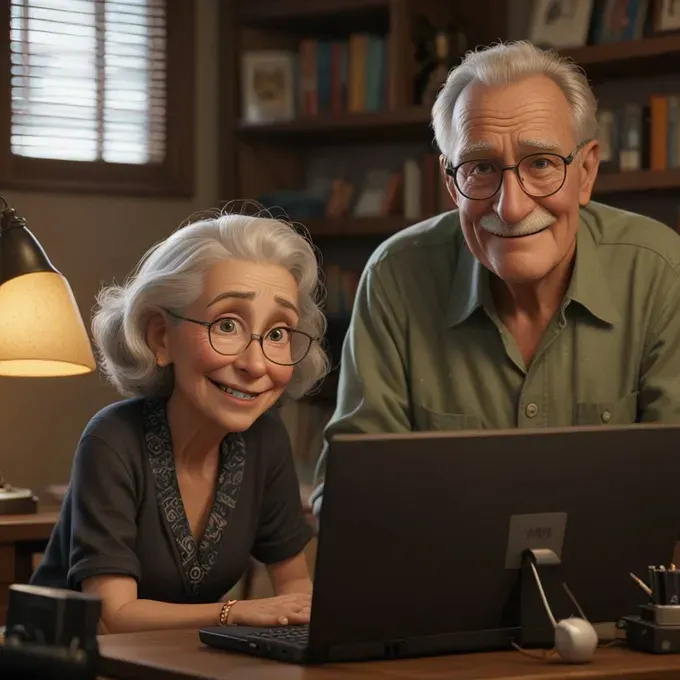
641 583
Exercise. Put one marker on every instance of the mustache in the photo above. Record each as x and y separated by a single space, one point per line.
537 220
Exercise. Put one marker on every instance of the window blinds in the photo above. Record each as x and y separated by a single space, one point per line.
88 80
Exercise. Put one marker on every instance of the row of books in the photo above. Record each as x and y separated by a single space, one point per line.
640 136
574 23
379 194
425 191
338 76
416 191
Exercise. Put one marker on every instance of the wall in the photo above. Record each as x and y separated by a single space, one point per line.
92 240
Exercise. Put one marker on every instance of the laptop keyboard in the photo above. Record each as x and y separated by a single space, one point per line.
297 635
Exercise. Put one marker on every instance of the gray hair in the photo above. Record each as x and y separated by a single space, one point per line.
507 62
171 275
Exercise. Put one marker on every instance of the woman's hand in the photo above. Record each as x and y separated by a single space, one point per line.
272 611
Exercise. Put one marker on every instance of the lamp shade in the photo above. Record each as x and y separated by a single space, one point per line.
41 330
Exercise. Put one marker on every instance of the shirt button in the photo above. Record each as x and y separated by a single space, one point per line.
606 416
531 410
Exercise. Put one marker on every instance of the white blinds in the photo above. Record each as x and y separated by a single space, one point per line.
88 80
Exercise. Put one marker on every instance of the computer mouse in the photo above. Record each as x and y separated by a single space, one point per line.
575 640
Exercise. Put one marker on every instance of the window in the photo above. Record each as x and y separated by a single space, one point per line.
99 96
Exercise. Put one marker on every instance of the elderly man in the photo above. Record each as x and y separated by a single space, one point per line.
530 305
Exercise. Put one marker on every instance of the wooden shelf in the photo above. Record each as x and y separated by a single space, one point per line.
650 56
264 12
411 123
637 181
357 226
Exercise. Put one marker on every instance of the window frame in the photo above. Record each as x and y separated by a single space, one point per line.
174 177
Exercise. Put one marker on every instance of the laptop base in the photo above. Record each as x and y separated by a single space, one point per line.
250 641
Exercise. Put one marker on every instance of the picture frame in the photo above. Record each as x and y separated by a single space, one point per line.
268 86
560 23
666 15
620 21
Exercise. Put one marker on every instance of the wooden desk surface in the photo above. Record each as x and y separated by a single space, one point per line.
35 527
179 655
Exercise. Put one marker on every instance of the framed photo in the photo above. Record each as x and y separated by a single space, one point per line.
268 86
560 23
620 21
666 15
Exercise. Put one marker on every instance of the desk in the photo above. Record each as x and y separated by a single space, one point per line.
179 655
21 537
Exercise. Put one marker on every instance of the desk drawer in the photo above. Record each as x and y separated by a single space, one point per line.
4 599
7 563
7 577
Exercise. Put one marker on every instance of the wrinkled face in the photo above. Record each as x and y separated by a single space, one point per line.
233 391
519 238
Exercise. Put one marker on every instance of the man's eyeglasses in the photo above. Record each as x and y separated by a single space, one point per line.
229 336
540 175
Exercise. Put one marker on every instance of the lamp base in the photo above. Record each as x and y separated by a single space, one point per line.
16 501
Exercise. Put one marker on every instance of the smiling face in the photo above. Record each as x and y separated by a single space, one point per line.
231 392
519 238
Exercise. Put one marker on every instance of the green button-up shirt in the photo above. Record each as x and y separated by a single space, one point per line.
426 350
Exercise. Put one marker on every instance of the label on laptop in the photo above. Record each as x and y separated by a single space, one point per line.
535 531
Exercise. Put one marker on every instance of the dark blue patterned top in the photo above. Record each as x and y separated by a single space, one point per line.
123 513
196 563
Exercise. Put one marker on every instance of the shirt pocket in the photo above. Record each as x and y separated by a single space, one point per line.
426 419
620 412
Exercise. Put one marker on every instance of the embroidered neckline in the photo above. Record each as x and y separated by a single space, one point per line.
197 561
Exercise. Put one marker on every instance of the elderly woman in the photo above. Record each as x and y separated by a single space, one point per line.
174 489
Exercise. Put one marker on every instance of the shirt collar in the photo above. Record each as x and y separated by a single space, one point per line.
588 287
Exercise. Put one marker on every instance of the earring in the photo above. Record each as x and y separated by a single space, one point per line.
161 363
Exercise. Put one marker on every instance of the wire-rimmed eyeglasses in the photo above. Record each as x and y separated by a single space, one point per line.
229 336
540 174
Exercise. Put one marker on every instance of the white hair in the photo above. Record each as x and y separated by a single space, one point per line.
508 62
171 276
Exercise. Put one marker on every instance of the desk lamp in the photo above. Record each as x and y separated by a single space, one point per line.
42 333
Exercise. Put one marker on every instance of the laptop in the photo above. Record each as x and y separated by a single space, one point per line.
422 535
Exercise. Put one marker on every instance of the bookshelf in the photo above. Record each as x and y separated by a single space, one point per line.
262 149
658 55
641 181
636 84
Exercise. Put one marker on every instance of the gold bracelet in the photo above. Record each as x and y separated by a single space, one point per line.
224 612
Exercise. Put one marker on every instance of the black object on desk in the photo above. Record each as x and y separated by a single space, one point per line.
656 628
50 633
39 662
665 585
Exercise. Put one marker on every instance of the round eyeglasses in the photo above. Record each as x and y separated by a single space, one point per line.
540 175
229 336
